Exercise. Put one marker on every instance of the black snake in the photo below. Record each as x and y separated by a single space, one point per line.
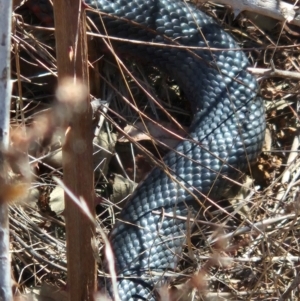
225 136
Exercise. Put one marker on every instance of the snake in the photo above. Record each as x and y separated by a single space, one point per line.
226 134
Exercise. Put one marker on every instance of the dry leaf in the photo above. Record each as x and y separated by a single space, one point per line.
13 192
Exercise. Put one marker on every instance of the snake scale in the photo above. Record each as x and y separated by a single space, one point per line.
226 134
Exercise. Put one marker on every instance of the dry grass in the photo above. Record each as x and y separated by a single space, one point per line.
249 250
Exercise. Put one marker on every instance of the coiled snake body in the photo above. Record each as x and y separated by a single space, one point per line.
226 133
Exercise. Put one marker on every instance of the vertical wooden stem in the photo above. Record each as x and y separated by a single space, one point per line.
5 95
71 49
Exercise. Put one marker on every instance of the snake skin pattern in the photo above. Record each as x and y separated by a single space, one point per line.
226 133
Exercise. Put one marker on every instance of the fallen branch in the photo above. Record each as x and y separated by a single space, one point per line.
278 10
270 72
